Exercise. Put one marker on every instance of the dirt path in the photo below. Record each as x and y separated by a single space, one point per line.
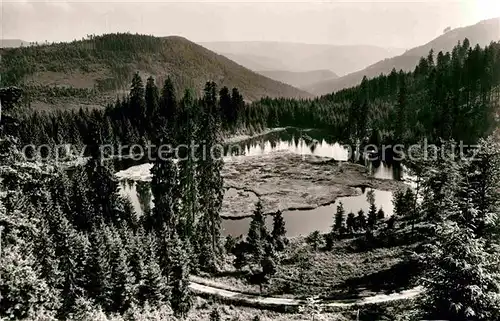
273 301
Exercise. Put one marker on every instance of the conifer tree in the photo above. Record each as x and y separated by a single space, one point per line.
187 164
279 231
268 265
351 222
401 111
315 240
380 214
398 201
165 191
99 269
409 201
372 216
257 235
226 107
137 102
168 102
361 219
84 215
153 288
137 257
441 182
123 295
210 183
72 263
484 187
152 99
103 185
372 211
339 219
238 106
180 300
46 256
104 188
462 279
125 211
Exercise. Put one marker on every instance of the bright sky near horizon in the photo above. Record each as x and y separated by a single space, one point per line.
398 24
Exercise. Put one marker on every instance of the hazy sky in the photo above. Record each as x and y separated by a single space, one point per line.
401 24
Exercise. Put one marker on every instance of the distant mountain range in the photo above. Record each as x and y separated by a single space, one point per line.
258 69
481 33
268 56
256 63
12 43
112 60
299 79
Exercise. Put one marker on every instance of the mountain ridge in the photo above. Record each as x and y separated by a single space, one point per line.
299 79
303 57
481 33
13 43
106 63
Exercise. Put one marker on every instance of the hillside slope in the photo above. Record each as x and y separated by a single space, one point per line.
301 57
105 64
299 79
481 33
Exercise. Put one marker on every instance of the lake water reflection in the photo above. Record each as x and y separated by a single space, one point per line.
309 142
303 222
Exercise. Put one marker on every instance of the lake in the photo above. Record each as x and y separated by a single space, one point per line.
298 222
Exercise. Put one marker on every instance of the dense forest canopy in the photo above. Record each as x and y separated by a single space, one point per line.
94 70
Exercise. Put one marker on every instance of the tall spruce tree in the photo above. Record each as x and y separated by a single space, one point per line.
210 183
168 102
165 185
123 293
153 289
137 103
187 164
372 211
361 219
103 189
72 262
339 224
238 107
351 222
484 187
279 231
99 271
181 300
152 100
257 235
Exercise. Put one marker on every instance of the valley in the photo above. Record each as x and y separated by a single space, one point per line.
156 178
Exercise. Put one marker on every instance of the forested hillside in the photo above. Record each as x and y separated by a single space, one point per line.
96 70
481 33
73 247
448 95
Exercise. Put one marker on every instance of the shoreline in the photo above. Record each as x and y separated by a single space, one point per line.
238 138
283 181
